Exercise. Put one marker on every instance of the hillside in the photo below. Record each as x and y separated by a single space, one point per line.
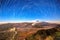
30 31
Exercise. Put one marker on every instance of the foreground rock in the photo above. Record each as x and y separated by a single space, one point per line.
30 31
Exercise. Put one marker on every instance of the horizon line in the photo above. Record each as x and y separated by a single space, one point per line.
28 21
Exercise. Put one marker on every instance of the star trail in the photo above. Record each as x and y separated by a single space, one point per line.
26 10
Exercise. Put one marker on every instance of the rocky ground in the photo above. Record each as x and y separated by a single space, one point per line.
30 31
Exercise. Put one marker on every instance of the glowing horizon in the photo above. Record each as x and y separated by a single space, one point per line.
29 21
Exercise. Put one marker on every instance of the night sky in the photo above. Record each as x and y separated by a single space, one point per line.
26 10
